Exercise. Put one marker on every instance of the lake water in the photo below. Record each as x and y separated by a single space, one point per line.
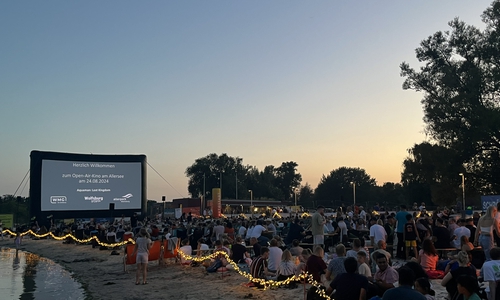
27 276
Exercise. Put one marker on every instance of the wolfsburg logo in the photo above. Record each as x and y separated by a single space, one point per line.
94 199
124 198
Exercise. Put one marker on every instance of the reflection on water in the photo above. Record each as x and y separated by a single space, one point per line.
27 276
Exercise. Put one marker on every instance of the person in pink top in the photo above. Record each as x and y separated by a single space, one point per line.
428 256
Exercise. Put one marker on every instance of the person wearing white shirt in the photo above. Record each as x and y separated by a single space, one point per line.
187 250
218 230
459 232
362 213
249 231
377 233
257 233
275 254
342 229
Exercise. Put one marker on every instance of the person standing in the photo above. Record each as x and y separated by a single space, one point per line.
142 246
401 221
317 223
389 229
410 236
377 233
484 232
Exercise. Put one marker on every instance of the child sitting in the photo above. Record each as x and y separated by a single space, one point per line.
363 268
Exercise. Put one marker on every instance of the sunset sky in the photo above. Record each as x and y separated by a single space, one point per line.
315 82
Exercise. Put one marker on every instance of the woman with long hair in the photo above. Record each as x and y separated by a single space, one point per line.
428 256
287 266
484 232
465 245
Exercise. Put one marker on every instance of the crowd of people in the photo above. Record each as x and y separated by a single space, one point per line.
354 253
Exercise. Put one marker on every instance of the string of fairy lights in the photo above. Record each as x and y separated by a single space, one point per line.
266 284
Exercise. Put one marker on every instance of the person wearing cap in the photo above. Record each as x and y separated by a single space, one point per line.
318 220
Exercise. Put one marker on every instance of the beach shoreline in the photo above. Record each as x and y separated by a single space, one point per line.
102 276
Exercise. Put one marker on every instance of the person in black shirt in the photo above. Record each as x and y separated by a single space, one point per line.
239 251
296 232
441 235
133 220
389 229
349 285
470 224
256 246
410 236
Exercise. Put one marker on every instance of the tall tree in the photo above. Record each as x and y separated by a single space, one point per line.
431 174
287 178
337 187
214 170
460 81
306 195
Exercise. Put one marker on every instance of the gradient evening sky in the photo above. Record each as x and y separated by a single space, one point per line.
315 82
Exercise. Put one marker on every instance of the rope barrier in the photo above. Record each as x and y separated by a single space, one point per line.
263 282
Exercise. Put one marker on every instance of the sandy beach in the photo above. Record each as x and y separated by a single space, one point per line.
102 276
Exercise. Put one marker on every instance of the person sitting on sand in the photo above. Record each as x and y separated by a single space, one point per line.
304 256
296 250
468 287
142 246
349 285
202 248
256 246
258 268
315 265
286 267
187 250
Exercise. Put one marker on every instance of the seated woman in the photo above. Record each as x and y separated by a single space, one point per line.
428 256
287 267
465 245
